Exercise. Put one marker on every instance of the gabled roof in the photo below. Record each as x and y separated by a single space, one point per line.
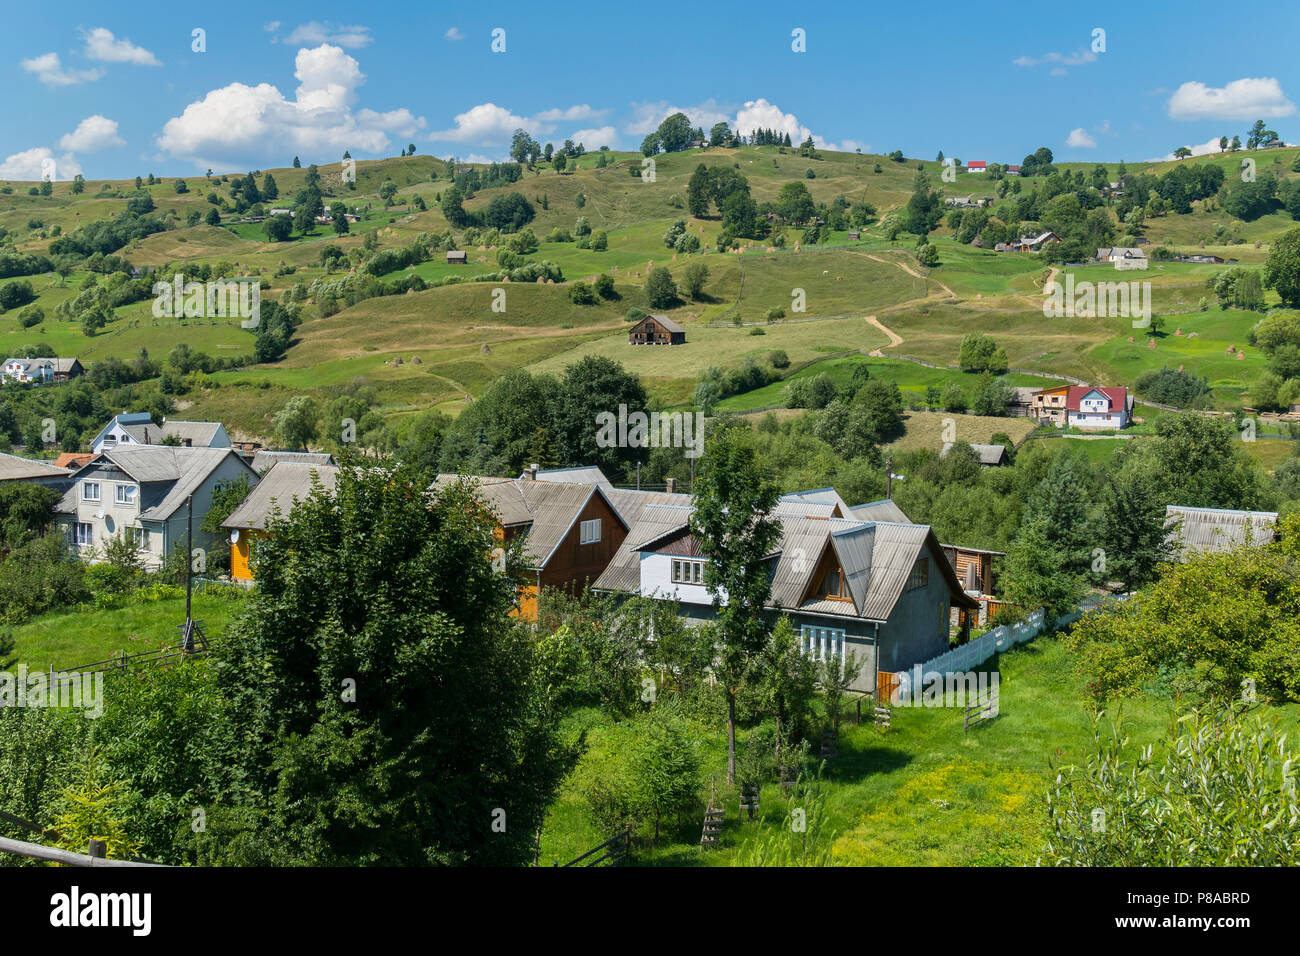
286 483
264 460
821 496
987 454
549 509
883 510
1118 396
181 470
13 468
58 365
580 474
623 573
1212 530
197 434
663 320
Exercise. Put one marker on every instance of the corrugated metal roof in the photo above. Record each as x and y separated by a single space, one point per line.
822 496
178 471
883 510
285 483
13 468
198 434
855 547
1211 530
264 460
623 573
581 475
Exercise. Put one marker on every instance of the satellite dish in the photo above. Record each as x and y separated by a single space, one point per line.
99 513
234 536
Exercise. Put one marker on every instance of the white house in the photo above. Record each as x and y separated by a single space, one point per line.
141 492
137 428
39 371
1098 407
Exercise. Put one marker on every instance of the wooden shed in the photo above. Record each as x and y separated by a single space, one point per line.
656 330
456 257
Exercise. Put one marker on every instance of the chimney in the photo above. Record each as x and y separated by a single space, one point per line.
672 485
531 473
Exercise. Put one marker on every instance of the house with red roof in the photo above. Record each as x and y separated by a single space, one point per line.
1083 406
977 166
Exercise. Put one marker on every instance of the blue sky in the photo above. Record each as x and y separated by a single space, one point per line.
115 94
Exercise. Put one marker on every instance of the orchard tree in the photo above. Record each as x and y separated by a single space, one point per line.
1282 268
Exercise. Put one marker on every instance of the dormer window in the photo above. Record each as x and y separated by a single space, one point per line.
833 585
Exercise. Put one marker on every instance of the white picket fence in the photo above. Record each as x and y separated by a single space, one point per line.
969 656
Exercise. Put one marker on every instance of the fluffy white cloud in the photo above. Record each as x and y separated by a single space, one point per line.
453 34
91 135
315 33
49 70
760 114
102 45
33 165
646 117
1079 138
490 125
594 139
240 124
1244 99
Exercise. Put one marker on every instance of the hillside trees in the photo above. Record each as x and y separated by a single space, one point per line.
979 353
1282 268
660 289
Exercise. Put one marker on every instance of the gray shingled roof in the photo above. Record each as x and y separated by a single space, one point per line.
13 468
264 460
987 454
1209 530
198 434
667 323
185 468
883 510
284 484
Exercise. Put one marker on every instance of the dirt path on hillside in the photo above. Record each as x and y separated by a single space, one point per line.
913 273
895 340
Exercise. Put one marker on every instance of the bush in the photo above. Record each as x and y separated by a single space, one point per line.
605 287
580 293
634 314
779 359
1170 386
773 314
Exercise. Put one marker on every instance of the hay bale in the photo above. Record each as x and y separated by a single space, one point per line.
485 350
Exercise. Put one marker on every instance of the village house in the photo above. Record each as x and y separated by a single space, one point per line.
570 530
456 257
1036 243
283 485
141 492
137 428
1083 406
1012 170
656 330
1196 531
264 459
989 455
977 166
41 371
1123 257
879 590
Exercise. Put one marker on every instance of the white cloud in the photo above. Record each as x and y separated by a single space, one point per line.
103 46
1204 149
240 124
271 27
490 125
31 165
91 135
453 34
594 139
49 70
760 114
1244 99
315 33
1080 139
646 117
1057 61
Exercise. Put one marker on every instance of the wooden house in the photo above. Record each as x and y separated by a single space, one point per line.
456 257
656 330
283 486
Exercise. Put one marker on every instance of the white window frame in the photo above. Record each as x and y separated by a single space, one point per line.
139 537
686 571
124 494
86 486
589 531
83 541
817 641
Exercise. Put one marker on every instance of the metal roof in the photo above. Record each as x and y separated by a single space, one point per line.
1211 530
13 468
179 470
264 460
581 475
883 510
198 434
987 454
287 482
623 573
823 496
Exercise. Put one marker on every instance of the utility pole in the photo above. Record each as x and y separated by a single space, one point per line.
187 640
889 478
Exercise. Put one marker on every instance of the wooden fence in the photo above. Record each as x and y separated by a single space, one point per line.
94 855
610 853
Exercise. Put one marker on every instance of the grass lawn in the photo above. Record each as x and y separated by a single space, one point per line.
65 639
923 794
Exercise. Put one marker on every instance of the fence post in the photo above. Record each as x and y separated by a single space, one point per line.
97 849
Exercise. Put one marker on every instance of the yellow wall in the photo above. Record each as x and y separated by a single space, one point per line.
240 554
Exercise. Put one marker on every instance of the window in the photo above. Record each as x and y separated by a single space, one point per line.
589 531
82 534
833 586
688 572
920 575
124 494
139 537
823 642
90 491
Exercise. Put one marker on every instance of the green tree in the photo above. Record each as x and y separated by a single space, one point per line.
1132 534
660 289
296 422
1282 268
697 273
733 526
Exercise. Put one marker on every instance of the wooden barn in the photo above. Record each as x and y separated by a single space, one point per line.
656 330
